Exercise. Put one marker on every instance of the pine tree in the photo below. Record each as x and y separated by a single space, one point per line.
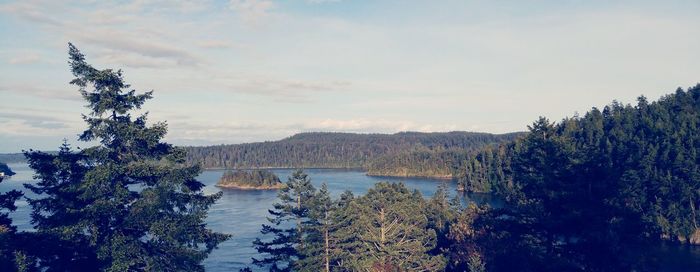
392 231
130 200
57 211
440 215
316 254
288 218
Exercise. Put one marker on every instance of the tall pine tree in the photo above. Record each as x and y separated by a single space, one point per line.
131 200
289 216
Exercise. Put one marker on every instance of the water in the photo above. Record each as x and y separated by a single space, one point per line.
242 212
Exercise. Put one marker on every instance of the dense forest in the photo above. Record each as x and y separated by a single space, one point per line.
255 179
347 150
422 162
590 193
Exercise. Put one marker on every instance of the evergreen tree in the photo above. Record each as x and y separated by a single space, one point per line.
440 216
287 222
131 201
316 254
392 231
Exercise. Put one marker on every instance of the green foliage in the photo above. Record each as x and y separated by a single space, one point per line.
417 163
250 179
129 203
347 150
289 216
8 237
392 231
586 190
487 170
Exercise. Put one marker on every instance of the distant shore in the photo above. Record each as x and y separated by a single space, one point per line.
387 175
245 187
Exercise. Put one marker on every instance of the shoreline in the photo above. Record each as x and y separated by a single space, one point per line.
244 187
441 177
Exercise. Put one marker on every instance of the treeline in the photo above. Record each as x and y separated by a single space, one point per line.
339 150
12 158
249 179
391 228
591 188
486 170
590 193
418 163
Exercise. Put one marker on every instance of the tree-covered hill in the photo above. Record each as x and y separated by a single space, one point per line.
340 150
255 179
12 158
613 177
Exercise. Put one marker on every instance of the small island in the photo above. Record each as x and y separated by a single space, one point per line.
5 170
250 180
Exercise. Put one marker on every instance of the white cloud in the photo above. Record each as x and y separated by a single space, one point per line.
218 44
252 11
25 58
42 92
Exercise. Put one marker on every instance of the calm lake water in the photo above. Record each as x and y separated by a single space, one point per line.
242 212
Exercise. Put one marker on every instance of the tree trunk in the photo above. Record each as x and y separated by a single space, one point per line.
382 229
301 241
328 263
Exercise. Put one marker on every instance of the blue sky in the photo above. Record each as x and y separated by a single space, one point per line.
254 70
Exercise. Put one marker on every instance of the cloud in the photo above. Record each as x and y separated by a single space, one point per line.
130 42
30 89
29 11
322 1
218 44
281 90
18 123
252 11
25 58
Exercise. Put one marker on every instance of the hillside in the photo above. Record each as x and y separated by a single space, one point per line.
255 179
346 150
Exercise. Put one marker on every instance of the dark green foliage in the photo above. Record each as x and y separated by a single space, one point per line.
417 163
588 189
289 216
8 238
486 170
463 238
129 203
316 253
390 225
336 150
250 179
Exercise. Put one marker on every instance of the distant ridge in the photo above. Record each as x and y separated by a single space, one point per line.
342 150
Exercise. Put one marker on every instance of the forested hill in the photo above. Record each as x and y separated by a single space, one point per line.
337 150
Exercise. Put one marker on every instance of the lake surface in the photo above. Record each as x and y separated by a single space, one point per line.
242 212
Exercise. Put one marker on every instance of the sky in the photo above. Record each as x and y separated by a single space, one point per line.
255 70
